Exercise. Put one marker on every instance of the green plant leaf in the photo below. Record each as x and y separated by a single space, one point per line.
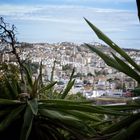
35 87
81 115
52 72
114 46
33 105
67 89
63 102
13 115
135 126
123 107
117 63
136 92
69 122
7 102
69 86
128 132
84 108
122 135
123 123
12 87
28 75
27 124
4 112
40 74
127 69
47 87
53 131
108 60
72 74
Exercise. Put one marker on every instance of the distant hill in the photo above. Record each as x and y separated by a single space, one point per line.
80 47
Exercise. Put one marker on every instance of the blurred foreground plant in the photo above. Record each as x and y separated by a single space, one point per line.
128 127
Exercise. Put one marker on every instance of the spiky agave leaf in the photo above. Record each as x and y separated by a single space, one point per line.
120 129
30 112
69 86
114 46
116 63
12 116
68 122
81 107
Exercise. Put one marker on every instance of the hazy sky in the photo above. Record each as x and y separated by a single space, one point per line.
62 20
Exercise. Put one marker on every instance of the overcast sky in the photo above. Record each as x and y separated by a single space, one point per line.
62 20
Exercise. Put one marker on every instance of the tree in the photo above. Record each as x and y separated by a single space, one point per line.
8 37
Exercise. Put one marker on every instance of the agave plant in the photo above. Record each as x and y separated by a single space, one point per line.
127 127
35 115
30 111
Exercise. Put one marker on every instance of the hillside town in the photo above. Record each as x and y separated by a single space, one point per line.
93 77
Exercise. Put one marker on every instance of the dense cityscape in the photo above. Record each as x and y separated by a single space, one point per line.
84 87
93 77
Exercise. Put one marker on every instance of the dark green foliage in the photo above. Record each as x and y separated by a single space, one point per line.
125 128
9 84
69 86
48 119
